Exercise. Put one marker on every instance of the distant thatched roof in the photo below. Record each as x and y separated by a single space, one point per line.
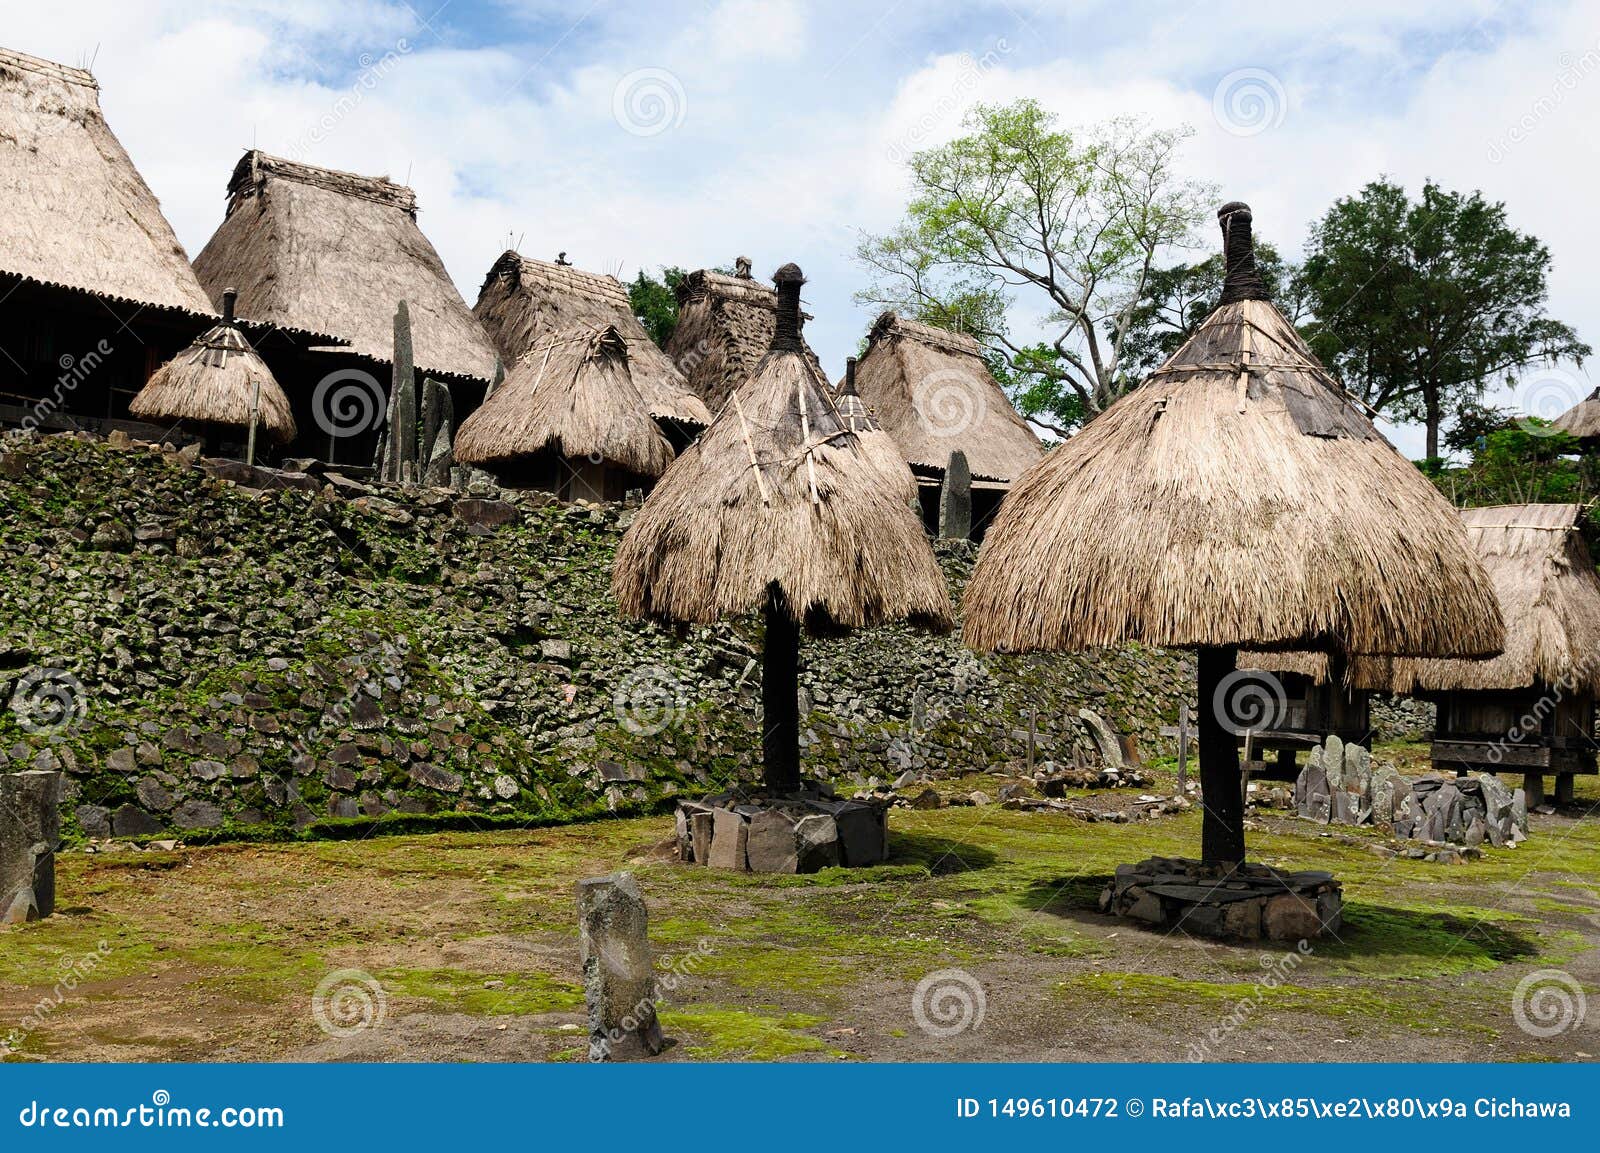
725 326
329 251
573 394
213 381
1238 497
934 394
1549 595
875 443
1356 672
1582 420
76 212
779 492
526 302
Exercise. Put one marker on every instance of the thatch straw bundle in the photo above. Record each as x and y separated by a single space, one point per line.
524 303
1582 420
327 251
876 444
934 394
778 495
78 215
1549 594
213 382
575 395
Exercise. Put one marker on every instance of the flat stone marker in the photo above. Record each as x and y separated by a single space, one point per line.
619 984
30 830
729 836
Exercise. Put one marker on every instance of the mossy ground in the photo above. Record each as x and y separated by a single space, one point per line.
215 952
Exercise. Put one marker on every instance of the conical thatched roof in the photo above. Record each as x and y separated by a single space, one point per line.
725 326
77 214
875 443
778 492
526 302
1236 498
213 381
1549 595
934 394
1582 420
328 251
573 394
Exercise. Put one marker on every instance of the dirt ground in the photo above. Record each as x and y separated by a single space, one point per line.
978 941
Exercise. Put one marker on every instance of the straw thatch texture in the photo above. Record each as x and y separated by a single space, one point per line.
77 213
525 302
876 444
1236 498
934 394
1549 595
213 382
573 394
328 251
725 326
1357 672
1582 420
779 492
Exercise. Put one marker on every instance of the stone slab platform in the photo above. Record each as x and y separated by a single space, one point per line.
1247 903
795 834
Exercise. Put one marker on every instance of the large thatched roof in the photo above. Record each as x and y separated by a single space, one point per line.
213 381
934 394
328 251
725 326
1582 420
1549 595
76 213
778 491
525 302
574 394
1238 497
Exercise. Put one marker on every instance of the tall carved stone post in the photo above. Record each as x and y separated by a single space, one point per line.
30 830
955 499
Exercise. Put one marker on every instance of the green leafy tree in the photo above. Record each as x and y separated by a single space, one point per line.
1075 220
655 302
1521 462
1420 305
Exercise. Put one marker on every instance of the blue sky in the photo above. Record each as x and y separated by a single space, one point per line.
637 135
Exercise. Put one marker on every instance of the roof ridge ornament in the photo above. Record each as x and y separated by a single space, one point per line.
1242 280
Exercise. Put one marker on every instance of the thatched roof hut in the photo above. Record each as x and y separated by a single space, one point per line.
214 381
1582 420
573 395
878 446
328 251
724 329
525 302
77 213
934 394
1237 498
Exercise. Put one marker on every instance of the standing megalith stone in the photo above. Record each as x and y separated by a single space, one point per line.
30 830
955 499
619 984
1105 739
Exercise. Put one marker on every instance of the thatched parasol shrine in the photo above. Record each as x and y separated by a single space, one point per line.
778 508
1237 498
220 385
